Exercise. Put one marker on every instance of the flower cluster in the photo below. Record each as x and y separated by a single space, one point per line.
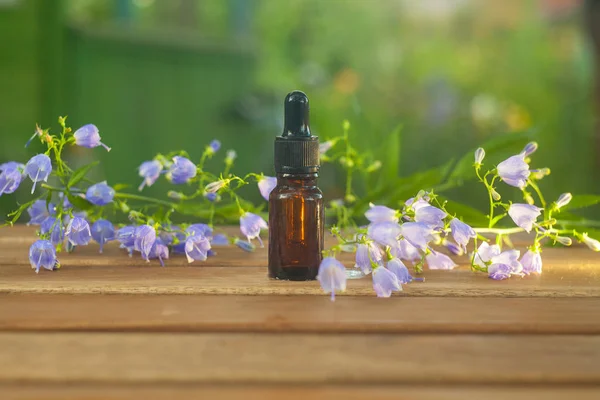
396 237
69 215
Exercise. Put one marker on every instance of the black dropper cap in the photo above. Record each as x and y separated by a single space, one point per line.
296 150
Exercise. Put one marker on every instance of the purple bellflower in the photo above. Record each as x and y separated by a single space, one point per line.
524 215
417 234
42 254
431 216
514 171
212 197
214 146
504 265
244 245
366 256
266 184
529 149
461 233
181 171
381 214
38 212
384 233
220 239
251 224
531 262
100 194
159 250
103 231
332 276
38 169
406 251
10 179
89 136
385 282
144 237
126 236
53 226
78 232
436 260
150 171
485 253
196 248
397 267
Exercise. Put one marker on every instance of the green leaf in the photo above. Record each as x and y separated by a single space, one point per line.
79 202
80 173
582 201
466 213
496 150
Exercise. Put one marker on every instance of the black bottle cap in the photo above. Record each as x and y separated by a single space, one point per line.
296 150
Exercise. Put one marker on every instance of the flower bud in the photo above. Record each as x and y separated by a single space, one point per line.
325 146
175 195
346 162
479 155
565 241
591 243
530 148
495 195
215 186
350 198
563 200
230 157
346 125
374 166
540 173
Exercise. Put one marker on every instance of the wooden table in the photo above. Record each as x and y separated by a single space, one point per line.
114 327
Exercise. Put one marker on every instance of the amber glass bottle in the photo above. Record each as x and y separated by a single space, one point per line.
296 203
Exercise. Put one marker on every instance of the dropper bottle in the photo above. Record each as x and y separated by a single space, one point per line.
296 203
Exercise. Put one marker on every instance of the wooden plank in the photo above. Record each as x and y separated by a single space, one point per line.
567 273
34 312
292 392
298 359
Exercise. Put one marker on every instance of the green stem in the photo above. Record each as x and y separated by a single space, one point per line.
540 196
499 231
130 196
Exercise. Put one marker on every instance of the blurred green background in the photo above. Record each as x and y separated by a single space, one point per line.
160 75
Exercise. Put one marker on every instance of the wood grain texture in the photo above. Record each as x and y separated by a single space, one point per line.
292 392
299 358
305 314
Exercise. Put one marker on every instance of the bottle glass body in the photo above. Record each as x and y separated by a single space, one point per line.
295 227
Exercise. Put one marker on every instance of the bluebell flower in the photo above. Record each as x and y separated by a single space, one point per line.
103 231
212 197
514 171
159 250
453 247
530 148
38 212
563 200
199 229
89 136
214 146
332 276
10 179
430 215
593 244
406 251
504 265
385 282
220 239
417 234
485 253
524 215
53 226
531 262
384 233
367 255
246 246
100 194
126 236
78 232
397 267
144 238
479 156
266 184
462 233
437 260
150 171
196 248
181 171
38 169
42 254
215 186
381 214
170 233
251 225
10 165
